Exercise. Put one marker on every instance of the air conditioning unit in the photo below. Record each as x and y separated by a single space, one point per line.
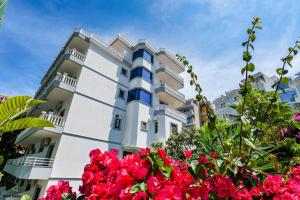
45 142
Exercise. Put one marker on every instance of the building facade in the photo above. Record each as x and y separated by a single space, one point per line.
222 104
196 113
291 92
120 95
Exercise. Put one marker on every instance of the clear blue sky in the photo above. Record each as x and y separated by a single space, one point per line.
208 32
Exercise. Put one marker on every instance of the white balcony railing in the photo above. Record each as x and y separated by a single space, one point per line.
31 162
171 111
170 91
165 69
66 79
59 77
74 52
55 119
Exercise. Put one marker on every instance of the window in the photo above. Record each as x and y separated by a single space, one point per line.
222 105
124 72
143 126
122 94
174 128
140 95
28 186
118 121
155 127
141 72
142 53
22 182
189 120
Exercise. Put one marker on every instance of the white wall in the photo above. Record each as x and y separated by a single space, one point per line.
92 119
73 154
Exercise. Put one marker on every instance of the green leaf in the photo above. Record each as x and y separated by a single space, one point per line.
284 80
143 186
28 122
3 4
249 143
252 37
258 27
243 70
134 188
244 43
251 67
25 197
246 56
1 159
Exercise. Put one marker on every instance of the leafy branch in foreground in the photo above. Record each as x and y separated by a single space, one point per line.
201 98
249 67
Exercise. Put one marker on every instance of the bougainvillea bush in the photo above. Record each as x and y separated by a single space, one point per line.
153 175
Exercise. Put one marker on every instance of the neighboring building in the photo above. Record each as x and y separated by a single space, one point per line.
291 93
222 104
110 96
196 113
223 111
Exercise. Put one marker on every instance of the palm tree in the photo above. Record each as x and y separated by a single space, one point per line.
12 118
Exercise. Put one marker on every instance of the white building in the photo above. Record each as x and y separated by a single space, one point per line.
222 104
291 93
196 113
110 96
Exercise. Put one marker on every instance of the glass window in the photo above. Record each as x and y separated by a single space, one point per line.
189 120
122 94
117 124
141 72
143 126
124 72
288 96
141 95
174 128
155 127
142 53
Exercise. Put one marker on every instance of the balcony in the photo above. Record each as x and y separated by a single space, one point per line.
169 77
62 81
29 167
74 55
169 95
167 58
43 132
165 110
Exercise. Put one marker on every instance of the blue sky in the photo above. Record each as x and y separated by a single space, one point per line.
208 32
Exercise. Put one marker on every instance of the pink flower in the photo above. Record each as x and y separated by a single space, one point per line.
188 154
296 117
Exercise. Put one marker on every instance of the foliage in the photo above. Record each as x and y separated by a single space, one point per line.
201 141
3 4
13 108
153 175
11 113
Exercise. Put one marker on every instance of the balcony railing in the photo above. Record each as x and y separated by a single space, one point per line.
167 110
165 69
64 78
170 90
55 119
74 52
31 162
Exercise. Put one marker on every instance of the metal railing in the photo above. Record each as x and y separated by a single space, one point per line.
170 90
31 162
167 70
74 52
168 109
55 119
